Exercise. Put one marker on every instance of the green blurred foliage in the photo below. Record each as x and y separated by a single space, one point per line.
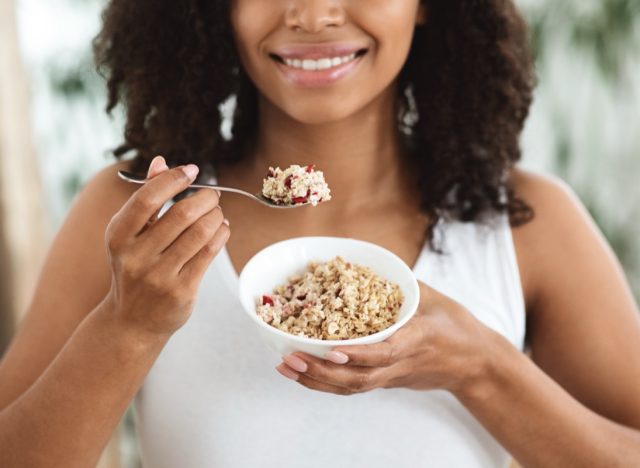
605 33
605 29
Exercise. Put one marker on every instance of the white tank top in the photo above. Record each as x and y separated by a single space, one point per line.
214 399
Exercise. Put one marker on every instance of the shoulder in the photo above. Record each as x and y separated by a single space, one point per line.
82 233
560 238
102 196
106 189
547 192
77 254
582 317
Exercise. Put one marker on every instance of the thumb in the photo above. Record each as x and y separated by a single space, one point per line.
157 166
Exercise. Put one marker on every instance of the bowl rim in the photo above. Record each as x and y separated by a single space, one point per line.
335 343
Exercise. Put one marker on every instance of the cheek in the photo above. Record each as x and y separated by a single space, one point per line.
251 21
391 24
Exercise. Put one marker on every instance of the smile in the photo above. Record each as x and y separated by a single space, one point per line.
317 70
320 64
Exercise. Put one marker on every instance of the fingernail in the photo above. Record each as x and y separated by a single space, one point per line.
154 162
295 363
336 357
225 221
288 373
191 170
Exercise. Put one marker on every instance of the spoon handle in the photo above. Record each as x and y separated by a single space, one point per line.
136 179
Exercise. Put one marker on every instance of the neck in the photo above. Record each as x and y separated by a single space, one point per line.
360 156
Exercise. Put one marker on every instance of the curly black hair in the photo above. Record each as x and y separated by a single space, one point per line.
466 89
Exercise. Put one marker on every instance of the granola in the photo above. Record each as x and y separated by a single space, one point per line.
332 300
296 185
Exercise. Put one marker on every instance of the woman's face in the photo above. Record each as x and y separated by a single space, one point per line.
322 60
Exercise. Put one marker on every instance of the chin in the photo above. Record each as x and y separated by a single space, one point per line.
313 114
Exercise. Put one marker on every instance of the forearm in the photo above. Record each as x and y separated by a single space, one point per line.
539 423
68 415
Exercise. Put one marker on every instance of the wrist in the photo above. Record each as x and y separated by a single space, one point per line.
118 326
492 370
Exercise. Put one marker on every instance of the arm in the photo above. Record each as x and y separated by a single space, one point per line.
581 398
90 336
67 416
578 402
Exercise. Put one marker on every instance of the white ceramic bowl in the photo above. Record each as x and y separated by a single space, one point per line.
276 263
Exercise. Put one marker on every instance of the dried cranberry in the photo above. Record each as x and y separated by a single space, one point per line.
297 200
270 174
310 167
287 182
267 300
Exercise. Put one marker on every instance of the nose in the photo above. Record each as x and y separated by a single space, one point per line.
313 16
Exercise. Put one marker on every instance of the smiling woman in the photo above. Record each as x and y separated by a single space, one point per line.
460 104
413 110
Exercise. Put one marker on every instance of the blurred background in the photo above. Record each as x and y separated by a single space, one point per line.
584 127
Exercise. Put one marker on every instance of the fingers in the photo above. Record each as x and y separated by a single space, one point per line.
135 214
194 269
311 384
193 239
353 379
381 354
178 219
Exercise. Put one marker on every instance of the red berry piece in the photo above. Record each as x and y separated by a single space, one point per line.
297 200
287 182
310 167
267 300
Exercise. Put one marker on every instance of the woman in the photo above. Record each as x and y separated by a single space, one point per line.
416 128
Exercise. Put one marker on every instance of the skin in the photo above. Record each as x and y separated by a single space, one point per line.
90 337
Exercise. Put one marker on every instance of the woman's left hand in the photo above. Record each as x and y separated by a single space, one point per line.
442 347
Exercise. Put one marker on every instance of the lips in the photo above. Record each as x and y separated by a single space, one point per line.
317 65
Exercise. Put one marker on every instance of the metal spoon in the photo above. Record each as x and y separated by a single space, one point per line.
136 179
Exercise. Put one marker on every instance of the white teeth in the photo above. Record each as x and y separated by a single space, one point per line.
320 64
309 64
324 63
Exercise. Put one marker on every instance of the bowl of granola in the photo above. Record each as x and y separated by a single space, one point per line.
312 294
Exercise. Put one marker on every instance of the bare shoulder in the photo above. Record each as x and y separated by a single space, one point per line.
560 237
551 198
78 249
584 325
105 191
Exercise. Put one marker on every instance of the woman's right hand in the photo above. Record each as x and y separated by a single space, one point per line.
157 263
